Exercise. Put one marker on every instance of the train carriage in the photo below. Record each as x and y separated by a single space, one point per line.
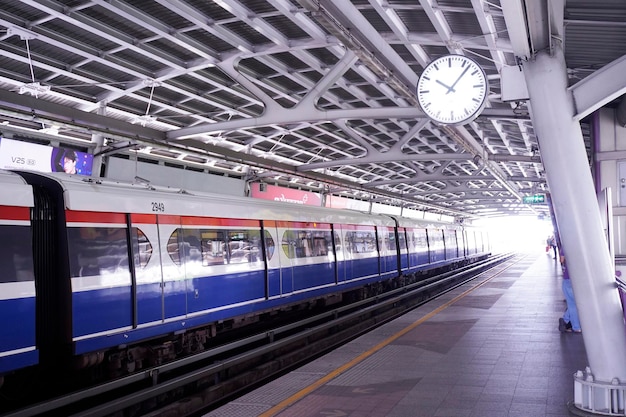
124 272
141 263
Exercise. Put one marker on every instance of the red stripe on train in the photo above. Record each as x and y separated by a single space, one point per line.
94 217
14 213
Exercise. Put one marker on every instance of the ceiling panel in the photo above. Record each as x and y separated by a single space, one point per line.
323 87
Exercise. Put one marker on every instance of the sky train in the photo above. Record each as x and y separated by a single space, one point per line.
96 271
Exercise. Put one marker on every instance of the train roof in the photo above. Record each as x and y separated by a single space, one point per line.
411 222
104 195
14 191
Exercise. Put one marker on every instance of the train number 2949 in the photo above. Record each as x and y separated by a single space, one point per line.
160 207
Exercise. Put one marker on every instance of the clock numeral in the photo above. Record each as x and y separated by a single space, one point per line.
425 77
475 72
449 62
476 100
424 91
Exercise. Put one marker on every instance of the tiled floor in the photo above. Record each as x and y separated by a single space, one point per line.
488 348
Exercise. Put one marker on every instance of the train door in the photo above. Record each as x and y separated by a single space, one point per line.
287 256
464 238
338 253
460 242
450 244
160 283
388 251
272 258
102 291
174 282
361 252
471 243
403 250
419 256
435 245
308 248
343 251
148 277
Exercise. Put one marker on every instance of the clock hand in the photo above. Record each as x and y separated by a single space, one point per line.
445 85
458 79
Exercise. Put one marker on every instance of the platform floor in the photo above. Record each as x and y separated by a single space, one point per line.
488 348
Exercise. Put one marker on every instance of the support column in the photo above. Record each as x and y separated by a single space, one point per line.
578 217
98 139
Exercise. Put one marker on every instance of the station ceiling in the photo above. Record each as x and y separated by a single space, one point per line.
318 95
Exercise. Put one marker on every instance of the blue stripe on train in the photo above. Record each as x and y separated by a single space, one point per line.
95 310
388 266
101 310
17 332
110 309
18 361
418 260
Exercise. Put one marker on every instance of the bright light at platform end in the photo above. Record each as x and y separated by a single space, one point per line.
525 234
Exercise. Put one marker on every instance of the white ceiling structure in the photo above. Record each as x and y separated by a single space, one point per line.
314 94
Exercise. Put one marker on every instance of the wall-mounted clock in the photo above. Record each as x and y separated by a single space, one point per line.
452 90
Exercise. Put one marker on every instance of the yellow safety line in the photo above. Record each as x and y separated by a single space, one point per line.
305 391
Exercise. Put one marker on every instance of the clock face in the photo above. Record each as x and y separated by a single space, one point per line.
452 90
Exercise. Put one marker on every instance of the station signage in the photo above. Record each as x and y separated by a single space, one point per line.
534 199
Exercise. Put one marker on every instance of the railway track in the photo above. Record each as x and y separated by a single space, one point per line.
187 386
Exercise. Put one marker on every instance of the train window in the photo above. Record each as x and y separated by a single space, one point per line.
213 247
142 248
217 247
386 241
410 240
184 246
391 241
383 241
435 239
269 245
401 240
450 239
97 250
16 260
361 242
306 243
418 240
172 247
244 246
322 243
